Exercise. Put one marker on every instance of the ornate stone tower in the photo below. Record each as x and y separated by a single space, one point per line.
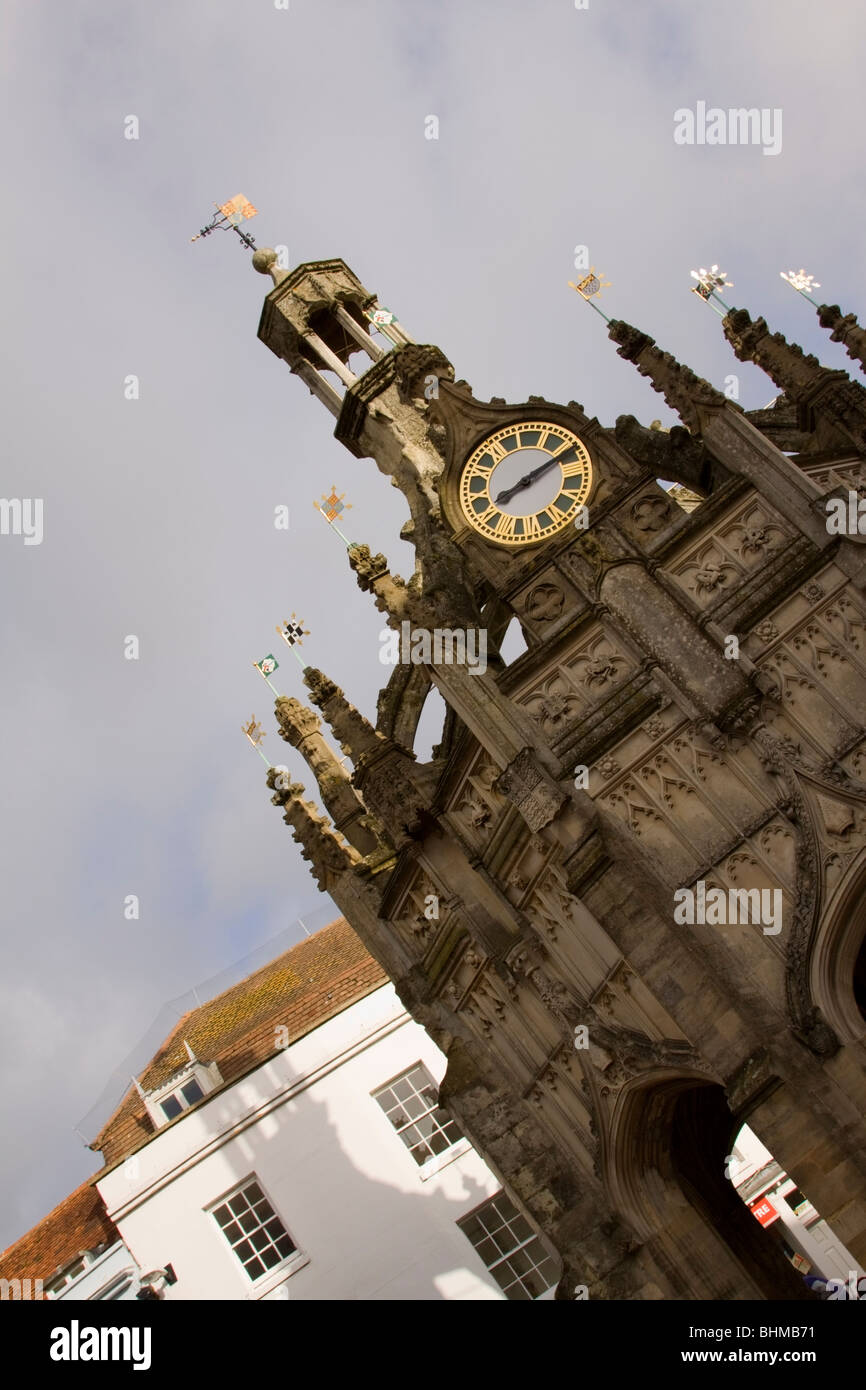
688 714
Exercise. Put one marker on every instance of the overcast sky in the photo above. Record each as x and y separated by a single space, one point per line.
555 129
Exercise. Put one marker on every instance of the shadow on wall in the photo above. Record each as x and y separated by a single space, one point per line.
364 1237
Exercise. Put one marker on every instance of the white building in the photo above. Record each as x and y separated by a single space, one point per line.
286 1142
810 1244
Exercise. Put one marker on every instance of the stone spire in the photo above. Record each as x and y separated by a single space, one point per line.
302 728
846 330
685 392
794 371
836 404
730 437
395 788
328 856
355 734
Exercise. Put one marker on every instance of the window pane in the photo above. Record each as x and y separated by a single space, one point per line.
517 1294
249 1221
414 1107
253 1192
439 1143
238 1203
192 1092
254 1268
472 1229
233 1232
285 1246
502 1274
171 1107
489 1251
244 1250
260 1241
274 1228
222 1214
270 1257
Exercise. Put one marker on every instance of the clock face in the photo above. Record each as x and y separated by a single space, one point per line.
525 483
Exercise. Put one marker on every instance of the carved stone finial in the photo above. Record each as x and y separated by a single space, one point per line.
846 330
328 856
793 370
685 392
265 262
301 727
674 454
296 721
392 594
367 567
354 733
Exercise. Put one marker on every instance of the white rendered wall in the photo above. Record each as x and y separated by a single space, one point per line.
348 1191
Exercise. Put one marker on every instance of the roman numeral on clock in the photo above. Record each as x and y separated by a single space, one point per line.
505 528
496 451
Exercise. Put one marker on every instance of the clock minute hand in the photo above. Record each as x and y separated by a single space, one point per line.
526 481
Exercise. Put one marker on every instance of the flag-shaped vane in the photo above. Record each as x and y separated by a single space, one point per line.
238 209
331 507
709 281
801 282
266 667
229 216
380 316
255 733
293 633
590 287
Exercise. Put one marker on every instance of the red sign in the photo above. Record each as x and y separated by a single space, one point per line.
765 1211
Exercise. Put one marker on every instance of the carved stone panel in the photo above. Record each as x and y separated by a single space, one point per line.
735 547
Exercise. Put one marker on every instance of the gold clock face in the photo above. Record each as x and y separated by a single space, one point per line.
525 483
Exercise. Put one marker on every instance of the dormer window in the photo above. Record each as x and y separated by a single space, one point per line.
181 1091
181 1099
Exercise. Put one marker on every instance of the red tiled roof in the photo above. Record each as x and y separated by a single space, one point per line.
79 1223
301 989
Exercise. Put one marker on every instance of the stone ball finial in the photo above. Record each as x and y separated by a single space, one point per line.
263 259
266 262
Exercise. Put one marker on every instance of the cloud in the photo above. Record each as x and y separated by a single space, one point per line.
555 129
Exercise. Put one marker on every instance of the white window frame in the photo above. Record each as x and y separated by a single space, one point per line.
207 1078
290 1263
535 1234
434 1162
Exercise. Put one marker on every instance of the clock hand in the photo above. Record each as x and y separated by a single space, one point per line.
526 481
